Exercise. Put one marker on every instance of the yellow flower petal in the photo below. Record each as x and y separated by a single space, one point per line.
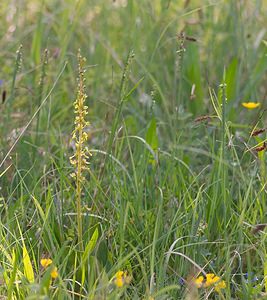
199 281
220 285
119 274
211 279
45 262
119 282
251 105
121 278
54 273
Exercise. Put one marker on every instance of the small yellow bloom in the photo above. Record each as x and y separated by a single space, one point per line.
121 278
251 105
54 273
211 279
45 262
199 281
220 285
119 274
119 282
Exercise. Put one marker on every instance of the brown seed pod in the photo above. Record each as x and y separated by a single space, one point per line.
191 39
257 132
4 96
261 148
202 118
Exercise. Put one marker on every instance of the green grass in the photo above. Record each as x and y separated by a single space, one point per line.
166 196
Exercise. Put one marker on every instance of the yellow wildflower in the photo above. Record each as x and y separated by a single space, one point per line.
119 282
45 262
251 105
121 278
54 273
211 279
199 281
220 285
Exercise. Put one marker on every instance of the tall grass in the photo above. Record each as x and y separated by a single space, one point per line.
176 187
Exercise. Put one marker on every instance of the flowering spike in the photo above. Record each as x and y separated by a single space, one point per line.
79 135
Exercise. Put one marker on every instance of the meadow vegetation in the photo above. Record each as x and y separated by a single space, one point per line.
132 149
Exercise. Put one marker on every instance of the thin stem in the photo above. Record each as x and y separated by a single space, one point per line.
78 193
